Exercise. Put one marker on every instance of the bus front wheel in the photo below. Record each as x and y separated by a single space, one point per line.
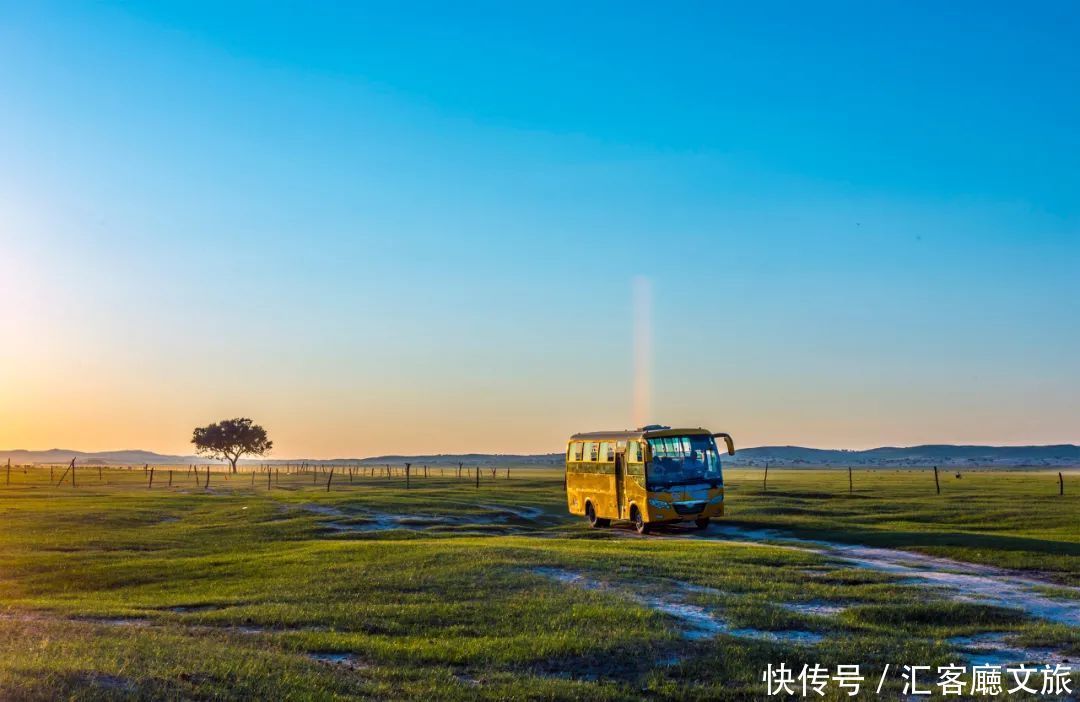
640 525
594 521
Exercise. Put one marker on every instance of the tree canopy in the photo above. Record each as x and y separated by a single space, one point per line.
230 439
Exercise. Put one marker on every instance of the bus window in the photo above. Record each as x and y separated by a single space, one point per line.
672 446
683 459
607 453
633 452
575 452
590 451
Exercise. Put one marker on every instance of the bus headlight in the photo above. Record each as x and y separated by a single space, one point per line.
658 504
718 500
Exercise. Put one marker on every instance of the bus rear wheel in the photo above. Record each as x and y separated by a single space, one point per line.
701 522
640 525
594 521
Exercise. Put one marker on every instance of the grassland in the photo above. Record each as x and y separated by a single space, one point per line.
1011 519
449 591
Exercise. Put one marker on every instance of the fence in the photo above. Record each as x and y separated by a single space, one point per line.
270 476
254 477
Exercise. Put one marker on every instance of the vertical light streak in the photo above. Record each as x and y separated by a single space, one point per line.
642 293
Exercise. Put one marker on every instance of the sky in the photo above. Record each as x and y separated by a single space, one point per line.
419 228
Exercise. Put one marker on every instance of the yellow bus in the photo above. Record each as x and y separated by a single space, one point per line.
651 475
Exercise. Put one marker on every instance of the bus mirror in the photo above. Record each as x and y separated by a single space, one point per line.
727 440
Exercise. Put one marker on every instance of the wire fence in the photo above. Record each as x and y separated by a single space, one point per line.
73 475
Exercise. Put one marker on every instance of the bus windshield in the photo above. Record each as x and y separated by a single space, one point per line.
681 460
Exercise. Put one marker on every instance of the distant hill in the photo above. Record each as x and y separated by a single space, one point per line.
21 456
139 457
931 454
928 455
469 459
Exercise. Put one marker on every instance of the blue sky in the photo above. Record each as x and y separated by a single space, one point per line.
414 227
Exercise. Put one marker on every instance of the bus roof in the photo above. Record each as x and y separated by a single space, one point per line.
638 434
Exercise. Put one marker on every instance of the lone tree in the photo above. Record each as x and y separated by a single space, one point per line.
230 439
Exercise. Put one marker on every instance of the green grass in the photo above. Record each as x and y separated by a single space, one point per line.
1011 519
228 592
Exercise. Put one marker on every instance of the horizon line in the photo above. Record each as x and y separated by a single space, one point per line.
523 455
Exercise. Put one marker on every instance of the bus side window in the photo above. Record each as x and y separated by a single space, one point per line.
635 465
607 454
590 451
575 452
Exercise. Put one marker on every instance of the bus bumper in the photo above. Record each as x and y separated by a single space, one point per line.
662 511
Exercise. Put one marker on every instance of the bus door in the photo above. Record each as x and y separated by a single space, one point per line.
620 493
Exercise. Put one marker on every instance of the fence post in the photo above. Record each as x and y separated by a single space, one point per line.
151 483
8 471
328 480
937 483
207 486
408 469
477 471
69 468
849 484
765 482
1061 484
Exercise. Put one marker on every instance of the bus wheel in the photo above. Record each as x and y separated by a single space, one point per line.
594 521
701 522
640 525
